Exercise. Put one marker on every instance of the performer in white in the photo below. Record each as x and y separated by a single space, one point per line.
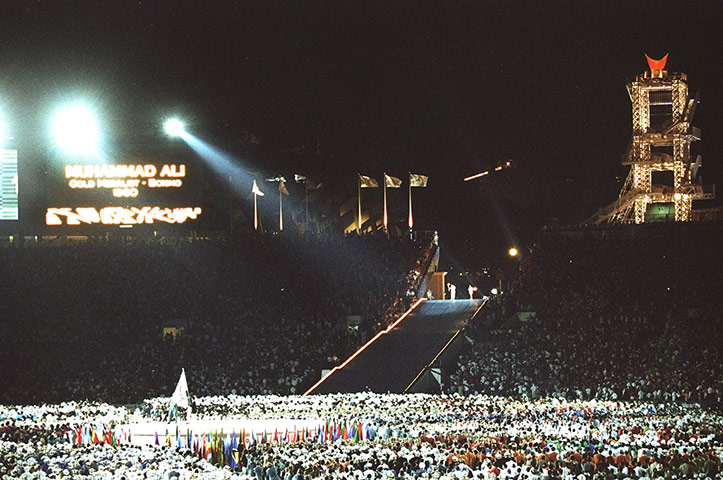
452 291
471 289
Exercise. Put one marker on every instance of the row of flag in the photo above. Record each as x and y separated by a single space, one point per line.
415 180
88 435
308 184
364 181
223 450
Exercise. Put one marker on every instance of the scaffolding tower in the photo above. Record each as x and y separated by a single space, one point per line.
661 169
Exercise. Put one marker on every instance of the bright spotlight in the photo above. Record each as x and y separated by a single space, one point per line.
493 291
75 130
513 252
173 127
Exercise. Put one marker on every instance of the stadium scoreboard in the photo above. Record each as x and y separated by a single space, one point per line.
122 194
8 184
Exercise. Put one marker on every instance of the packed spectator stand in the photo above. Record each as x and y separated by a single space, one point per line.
609 313
261 316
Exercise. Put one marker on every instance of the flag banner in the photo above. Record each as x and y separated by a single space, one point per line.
392 182
255 190
368 182
299 178
417 180
180 394
282 187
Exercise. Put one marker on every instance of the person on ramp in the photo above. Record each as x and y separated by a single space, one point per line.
452 291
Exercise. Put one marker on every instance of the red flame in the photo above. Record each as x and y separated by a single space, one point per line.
657 64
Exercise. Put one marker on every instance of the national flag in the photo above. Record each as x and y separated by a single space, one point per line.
228 455
299 178
368 182
417 180
255 190
392 182
282 187
156 441
282 184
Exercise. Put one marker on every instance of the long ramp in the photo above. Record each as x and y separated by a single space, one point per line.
393 359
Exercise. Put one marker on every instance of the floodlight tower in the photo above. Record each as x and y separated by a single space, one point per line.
661 138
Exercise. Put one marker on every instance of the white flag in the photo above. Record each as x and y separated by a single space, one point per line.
180 394
255 190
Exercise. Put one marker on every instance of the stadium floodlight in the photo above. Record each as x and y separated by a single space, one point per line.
173 127
512 252
75 130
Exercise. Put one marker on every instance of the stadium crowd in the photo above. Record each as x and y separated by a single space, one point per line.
594 366
85 321
611 314
408 436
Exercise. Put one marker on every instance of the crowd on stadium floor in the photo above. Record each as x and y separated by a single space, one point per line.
606 316
246 306
416 436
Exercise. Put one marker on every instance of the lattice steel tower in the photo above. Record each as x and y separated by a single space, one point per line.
661 170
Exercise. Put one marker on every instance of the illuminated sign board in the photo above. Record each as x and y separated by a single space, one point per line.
8 184
122 194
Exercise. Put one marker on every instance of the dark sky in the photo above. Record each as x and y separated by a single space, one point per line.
445 88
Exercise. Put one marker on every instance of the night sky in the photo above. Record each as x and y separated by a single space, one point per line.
442 88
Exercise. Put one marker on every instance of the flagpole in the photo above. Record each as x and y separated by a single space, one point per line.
256 214
385 203
411 220
358 187
281 210
306 198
